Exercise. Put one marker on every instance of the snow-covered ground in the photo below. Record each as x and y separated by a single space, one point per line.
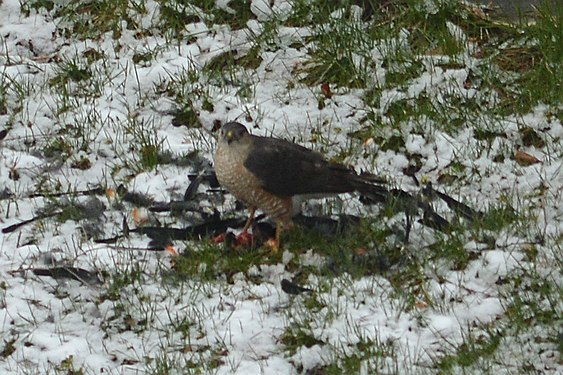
246 324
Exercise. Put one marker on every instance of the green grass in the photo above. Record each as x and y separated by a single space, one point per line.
473 354
512 67
210 262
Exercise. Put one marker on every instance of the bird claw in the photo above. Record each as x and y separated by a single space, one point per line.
273 245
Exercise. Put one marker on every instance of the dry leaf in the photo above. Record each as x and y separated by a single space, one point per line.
421 305
525 159
325 89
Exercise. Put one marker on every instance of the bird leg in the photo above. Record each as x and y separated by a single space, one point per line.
250 220
274 244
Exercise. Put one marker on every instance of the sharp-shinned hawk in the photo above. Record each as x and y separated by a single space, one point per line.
273 174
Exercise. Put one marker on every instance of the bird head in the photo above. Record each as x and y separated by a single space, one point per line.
233 132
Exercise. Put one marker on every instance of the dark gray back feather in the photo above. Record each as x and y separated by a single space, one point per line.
287 169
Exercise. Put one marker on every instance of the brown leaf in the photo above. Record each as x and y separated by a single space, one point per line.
325 89
525 159
420 304
361 251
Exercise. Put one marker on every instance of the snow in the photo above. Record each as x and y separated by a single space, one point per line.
233 327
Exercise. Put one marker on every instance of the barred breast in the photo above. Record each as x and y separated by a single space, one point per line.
233 176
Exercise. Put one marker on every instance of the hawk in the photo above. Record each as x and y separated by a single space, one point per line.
275 175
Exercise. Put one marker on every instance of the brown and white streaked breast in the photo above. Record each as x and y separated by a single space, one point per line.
233 176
